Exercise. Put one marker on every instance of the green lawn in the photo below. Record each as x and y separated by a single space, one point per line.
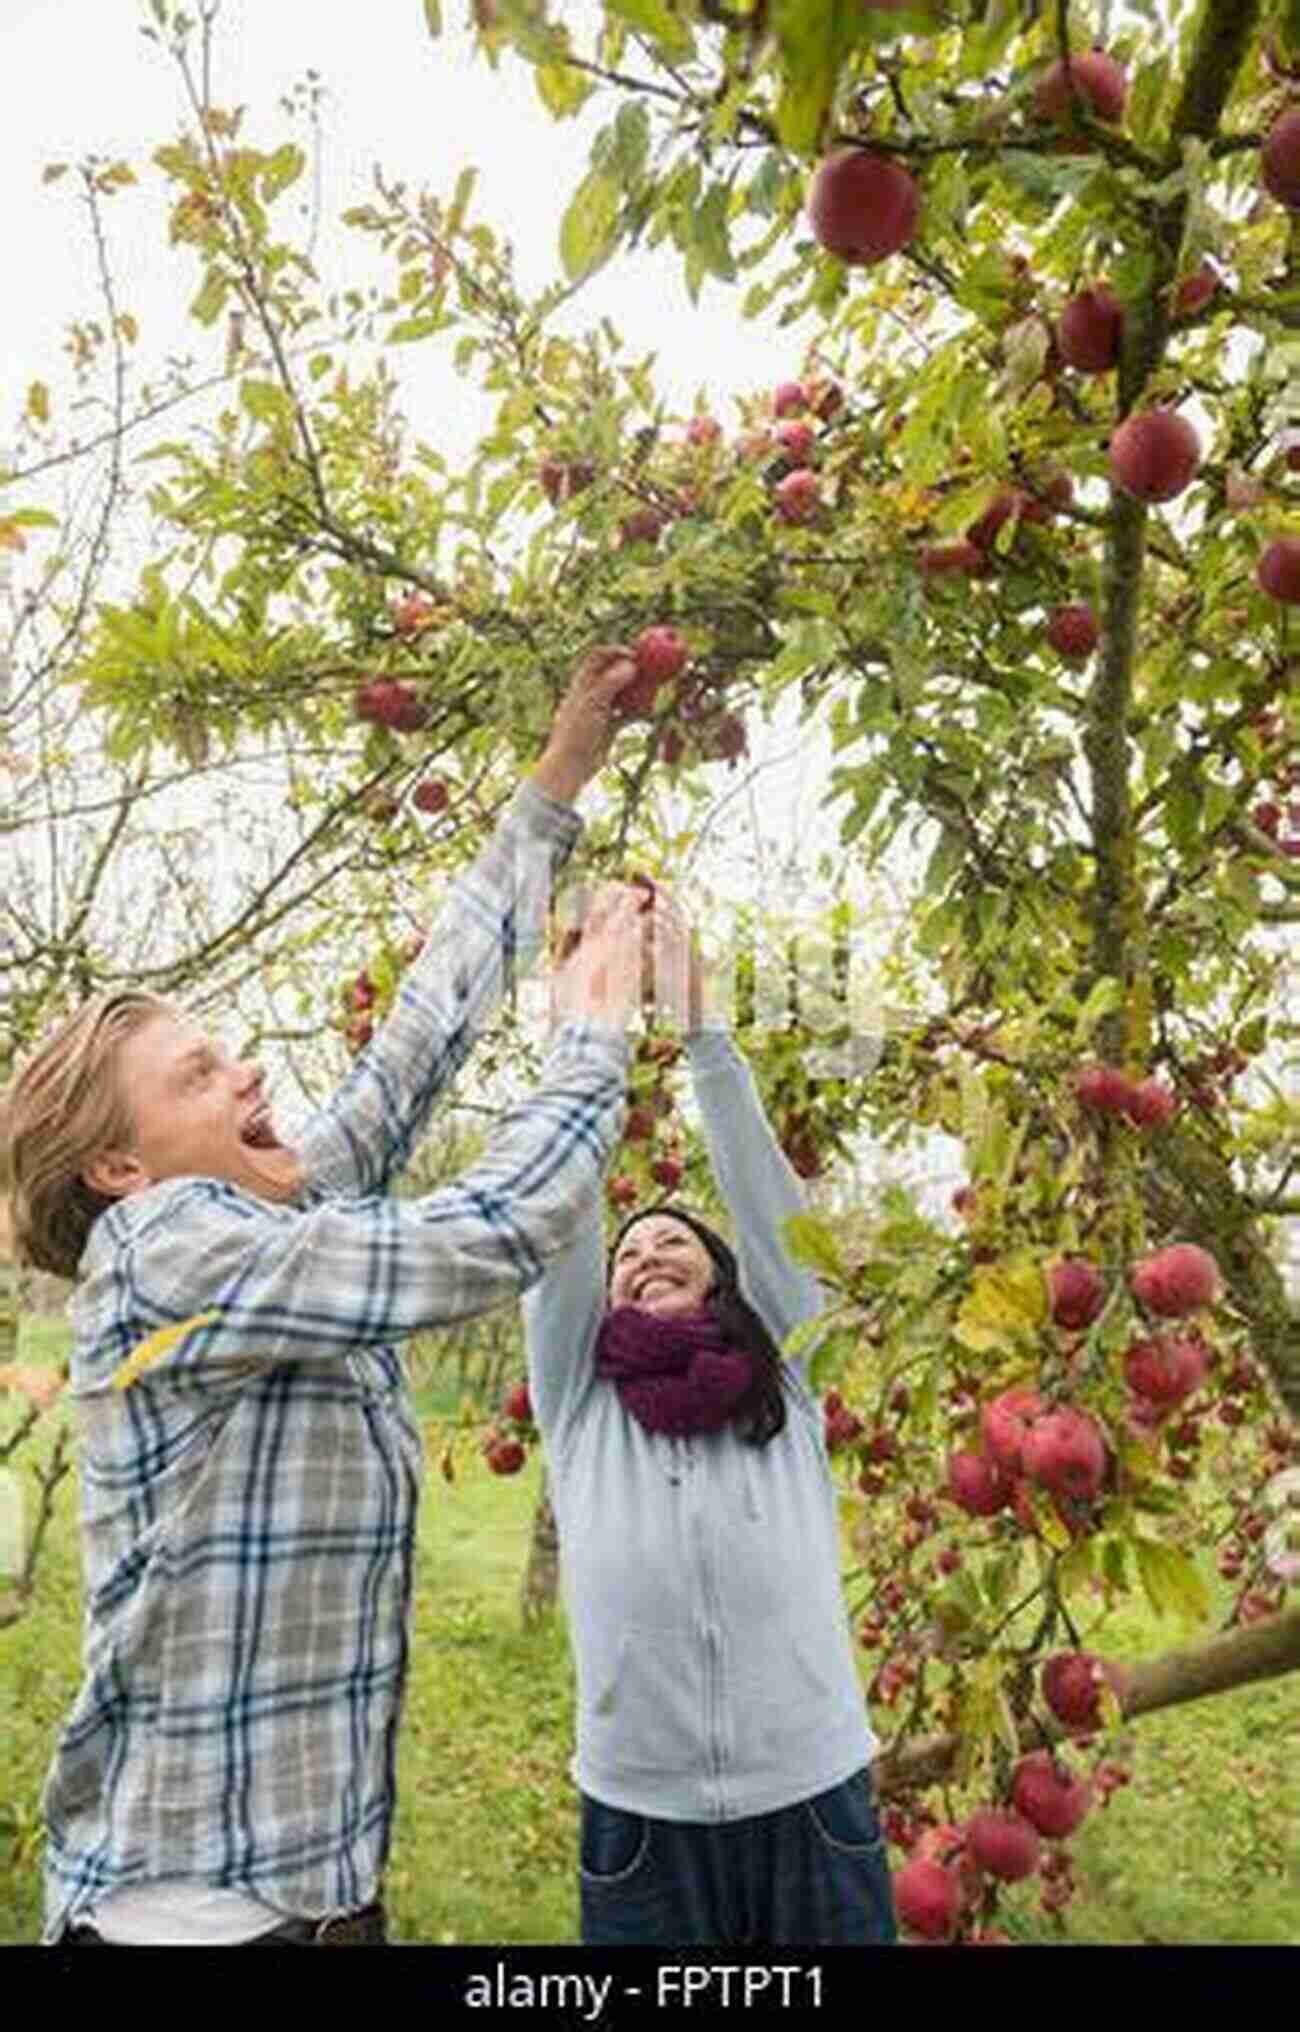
1203 1846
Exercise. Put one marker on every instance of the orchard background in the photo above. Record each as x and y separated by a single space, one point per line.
1008 553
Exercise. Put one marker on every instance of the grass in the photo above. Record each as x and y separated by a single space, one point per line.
1202 1847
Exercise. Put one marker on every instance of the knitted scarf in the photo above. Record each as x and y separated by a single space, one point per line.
676 1375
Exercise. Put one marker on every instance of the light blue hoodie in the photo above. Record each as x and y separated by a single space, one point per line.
701 1576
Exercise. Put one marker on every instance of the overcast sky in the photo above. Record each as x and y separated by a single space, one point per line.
78 75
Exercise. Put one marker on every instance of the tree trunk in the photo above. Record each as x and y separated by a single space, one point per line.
542 1573
1263 1650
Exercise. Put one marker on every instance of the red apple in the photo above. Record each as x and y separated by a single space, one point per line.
622 1190
788 399
517 1405
727 741
1280 159
1268 817
1002 1843
506 1456
1104 1089
863 206
1073 632
1278 571
1101 83
413 614
1196 289
1044 1791
1162 1373
1077 1291
928 1898
1176 1280
1005 1423
796 438
798 495
963 556
1065 1452
667 1172
1152 1104
563 478
978 1484
643 525
386 703
1090 329
1055 491
431 795
983 532
703 430
1154 455
1072 1683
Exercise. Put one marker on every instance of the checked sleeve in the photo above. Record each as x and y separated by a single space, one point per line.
486 935
288 1284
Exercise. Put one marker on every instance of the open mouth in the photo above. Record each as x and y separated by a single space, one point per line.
257 1131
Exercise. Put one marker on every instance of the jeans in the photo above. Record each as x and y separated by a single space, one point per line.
811 1875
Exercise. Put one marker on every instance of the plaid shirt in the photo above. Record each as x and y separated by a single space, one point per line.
248 1502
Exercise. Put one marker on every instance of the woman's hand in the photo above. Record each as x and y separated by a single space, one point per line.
676 981
600 981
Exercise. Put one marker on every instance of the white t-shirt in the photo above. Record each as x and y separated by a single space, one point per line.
181 1915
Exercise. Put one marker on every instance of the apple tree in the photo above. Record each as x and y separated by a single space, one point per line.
1016 544
1026 529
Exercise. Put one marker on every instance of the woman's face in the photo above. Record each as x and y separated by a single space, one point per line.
662 1266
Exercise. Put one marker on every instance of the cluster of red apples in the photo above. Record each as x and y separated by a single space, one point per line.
505 1445
864 205
652 1165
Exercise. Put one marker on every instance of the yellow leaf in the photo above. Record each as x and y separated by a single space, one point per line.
1008 1302
11 537
38 402
157 1345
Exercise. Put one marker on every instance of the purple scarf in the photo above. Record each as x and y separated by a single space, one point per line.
677 1375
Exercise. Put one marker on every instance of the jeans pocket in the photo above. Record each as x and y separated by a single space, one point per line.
845 1817
613 1844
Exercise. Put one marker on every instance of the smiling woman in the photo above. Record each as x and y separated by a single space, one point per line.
723 1746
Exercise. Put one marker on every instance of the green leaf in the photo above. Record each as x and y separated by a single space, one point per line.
408 330
660 22
264 401
1104 998
433 17
810 52
589 230
207 305
1172 1581
813 1244
1077 1567
283 169
562 89
711 224
631 143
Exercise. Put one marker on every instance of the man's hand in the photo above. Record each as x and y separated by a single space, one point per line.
585 722
600 982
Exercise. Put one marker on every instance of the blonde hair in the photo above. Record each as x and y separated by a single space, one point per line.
61 1110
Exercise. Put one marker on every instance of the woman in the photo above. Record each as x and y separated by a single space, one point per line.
723 1744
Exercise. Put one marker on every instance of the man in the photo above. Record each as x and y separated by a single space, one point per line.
249 1457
